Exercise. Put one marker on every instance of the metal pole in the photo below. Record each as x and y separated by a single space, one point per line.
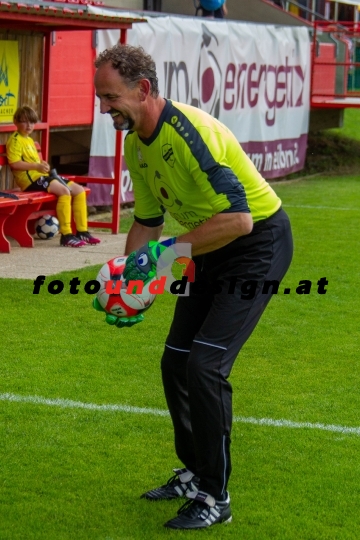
327 9
117 168
45 133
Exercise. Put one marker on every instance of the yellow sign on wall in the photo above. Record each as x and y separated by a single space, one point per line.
9 80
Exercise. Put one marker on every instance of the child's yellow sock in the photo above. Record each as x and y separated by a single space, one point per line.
63 211
80 211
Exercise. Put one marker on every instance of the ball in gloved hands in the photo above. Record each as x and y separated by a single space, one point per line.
123 307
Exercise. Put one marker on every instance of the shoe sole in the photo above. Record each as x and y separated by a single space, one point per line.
81 245
225 521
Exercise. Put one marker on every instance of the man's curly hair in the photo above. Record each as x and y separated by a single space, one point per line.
132 63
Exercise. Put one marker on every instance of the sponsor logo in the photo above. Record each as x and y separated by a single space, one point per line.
237 85
142 163
165 194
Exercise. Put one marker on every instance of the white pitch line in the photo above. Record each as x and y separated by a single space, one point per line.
318 207
69 404
297 425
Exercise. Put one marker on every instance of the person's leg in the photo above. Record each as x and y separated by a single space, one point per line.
79 206
80 214
63 205
63 212
265 256
188 317
190 313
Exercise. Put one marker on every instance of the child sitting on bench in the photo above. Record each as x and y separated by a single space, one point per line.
33 174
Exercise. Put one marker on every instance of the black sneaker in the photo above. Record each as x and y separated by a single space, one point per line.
200 511
177 486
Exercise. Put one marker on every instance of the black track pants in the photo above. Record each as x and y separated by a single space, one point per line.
208 330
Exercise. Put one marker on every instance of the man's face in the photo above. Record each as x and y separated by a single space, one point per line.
117 99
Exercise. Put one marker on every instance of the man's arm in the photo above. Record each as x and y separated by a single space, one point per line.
140 235
217 232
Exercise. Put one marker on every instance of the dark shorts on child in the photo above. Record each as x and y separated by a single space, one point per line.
43 183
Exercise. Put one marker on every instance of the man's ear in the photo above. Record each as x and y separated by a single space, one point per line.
144 88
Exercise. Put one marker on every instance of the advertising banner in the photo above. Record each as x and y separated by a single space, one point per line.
253 78
9 80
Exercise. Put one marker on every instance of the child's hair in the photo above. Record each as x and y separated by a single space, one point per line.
25 113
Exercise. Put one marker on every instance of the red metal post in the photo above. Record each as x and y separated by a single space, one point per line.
46 97
117 184
313 56
117 168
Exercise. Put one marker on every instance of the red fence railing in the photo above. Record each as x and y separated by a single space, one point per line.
335 66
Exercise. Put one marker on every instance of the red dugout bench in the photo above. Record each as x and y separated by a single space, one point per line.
17 216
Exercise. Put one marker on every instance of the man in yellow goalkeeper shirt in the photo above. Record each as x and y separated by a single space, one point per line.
184 161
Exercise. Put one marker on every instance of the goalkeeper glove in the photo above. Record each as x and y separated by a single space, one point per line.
141 264
119 322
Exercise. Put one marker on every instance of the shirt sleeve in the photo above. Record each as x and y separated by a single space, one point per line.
13 150
209 162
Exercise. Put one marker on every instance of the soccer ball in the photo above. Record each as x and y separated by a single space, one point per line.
113 296
47 227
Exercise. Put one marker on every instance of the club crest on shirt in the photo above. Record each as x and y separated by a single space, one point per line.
168 154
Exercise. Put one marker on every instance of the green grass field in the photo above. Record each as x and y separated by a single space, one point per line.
350 128
72 467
